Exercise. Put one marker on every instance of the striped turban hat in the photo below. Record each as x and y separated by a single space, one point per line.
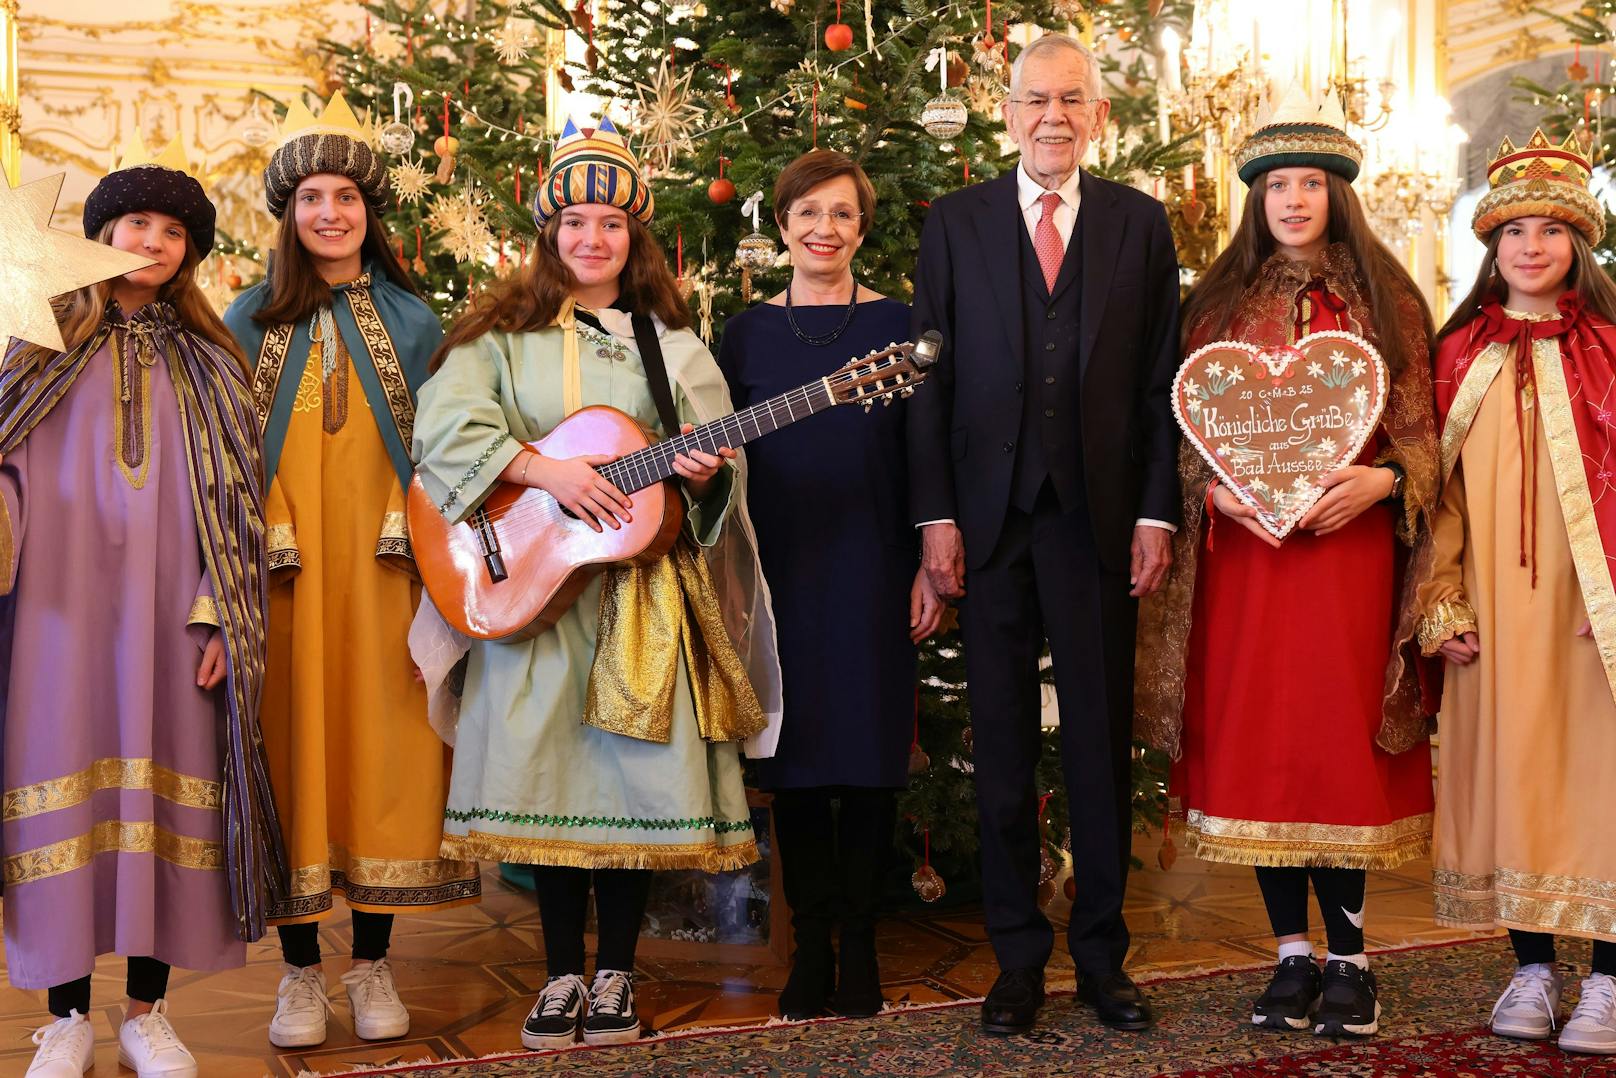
335 142
593 166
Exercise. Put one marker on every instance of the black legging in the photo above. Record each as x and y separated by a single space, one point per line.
1339 890
372 935
620 898
147 983
1533 947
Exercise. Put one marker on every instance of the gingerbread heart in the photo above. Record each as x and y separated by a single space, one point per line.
1270 421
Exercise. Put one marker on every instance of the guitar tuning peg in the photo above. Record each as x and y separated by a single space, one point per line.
867 406
886 402
907 391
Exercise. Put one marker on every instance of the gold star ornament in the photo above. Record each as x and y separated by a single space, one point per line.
38 262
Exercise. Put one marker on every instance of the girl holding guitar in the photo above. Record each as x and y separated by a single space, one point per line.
604 745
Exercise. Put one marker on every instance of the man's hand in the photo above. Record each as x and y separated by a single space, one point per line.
1151 558
925 609
942 557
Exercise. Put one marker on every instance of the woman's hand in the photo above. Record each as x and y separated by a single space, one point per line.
1241 513
698 468
1348 492
212 669
581 490
1462 649
925 608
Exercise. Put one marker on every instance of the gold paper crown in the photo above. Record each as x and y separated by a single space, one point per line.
135 154
336 119
1539 179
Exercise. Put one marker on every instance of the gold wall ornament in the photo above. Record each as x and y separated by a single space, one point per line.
38 262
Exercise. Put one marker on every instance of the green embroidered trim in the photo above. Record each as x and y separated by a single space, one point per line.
525 819
471 473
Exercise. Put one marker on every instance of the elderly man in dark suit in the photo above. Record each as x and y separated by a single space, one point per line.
1042 476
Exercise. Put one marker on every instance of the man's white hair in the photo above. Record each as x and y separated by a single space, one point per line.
1049 43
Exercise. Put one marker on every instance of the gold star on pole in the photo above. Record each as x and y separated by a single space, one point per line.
38 262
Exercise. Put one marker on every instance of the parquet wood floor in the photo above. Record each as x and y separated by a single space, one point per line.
470 975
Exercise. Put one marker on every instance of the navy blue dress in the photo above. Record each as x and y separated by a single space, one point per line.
829 498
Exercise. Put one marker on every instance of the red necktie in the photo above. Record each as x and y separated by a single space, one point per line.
1047 242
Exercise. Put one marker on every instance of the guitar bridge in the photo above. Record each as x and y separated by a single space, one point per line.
489 541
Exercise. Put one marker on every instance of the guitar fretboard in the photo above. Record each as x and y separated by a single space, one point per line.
654 464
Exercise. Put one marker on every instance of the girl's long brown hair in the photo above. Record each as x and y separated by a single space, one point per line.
1586 278
530 298
1380 274
296 289
79 313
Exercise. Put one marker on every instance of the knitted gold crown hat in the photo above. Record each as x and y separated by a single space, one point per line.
1540 179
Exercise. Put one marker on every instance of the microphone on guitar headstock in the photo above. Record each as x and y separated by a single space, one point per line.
928 348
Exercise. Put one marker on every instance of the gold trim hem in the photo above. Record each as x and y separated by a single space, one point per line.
1258 842
1529 901
110 773
112 836
703 856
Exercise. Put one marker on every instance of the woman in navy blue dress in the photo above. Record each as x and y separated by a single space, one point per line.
829 500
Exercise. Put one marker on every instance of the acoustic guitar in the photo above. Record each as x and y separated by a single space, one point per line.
511 569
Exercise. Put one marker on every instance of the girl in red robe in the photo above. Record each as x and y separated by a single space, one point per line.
1280 676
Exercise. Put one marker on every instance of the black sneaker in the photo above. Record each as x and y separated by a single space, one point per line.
1291 997
1348 1007
612 1018
554 1020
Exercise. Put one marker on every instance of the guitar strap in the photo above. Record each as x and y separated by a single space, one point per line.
656 372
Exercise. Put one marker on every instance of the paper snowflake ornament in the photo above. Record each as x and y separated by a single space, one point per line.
386 46
666 117
410 181
463 223
514 39
38 262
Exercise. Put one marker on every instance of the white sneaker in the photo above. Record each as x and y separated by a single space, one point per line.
1592 1027
66 1048
300 1008
1527 1009
149 1046
378 1013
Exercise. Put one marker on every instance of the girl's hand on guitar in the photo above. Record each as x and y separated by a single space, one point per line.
584 492
698 468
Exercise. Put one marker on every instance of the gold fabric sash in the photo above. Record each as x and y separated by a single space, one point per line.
652 617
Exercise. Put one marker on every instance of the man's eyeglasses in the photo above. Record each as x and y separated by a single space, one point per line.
1040 102
839 218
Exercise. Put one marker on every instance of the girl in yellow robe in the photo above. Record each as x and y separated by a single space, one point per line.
1521 602
340 342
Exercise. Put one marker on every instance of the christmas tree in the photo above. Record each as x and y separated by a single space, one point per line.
459 100
1574 106
720 96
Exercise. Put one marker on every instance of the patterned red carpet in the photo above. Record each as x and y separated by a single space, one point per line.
1437 999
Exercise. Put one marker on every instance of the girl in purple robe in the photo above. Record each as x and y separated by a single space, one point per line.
134 814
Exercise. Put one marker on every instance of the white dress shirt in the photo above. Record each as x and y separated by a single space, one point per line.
1028 192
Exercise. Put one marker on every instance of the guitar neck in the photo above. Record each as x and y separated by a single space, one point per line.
646 467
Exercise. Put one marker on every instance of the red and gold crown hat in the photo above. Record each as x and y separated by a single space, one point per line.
1539 179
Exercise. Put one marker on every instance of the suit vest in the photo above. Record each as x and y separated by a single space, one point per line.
1050 443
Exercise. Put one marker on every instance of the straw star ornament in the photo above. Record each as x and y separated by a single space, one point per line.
38 262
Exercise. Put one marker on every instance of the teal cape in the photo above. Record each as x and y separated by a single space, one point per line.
390 335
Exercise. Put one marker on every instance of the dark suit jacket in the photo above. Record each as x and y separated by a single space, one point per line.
967 286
